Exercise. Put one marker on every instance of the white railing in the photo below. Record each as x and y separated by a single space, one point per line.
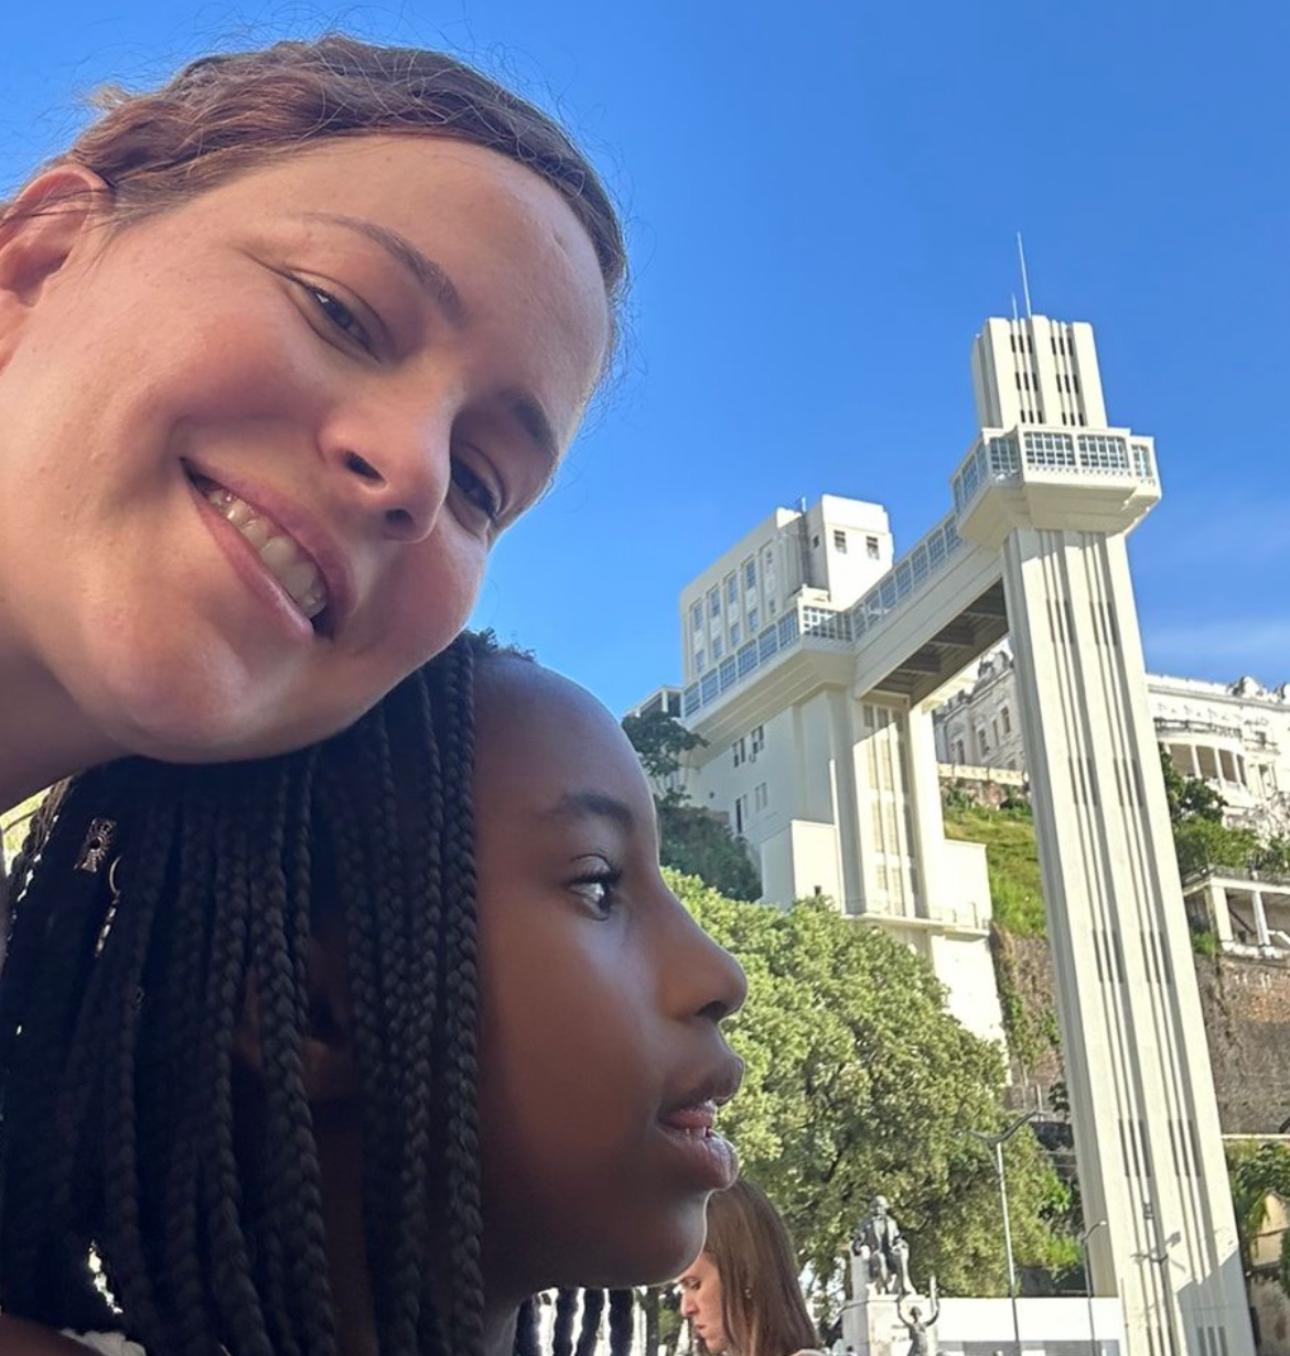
921 562
1004 457
995 457
806 619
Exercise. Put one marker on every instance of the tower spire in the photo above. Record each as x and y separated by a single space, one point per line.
1025 280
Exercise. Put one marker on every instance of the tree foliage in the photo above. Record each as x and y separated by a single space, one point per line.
660 740
1258 1173
859 1081
695 842
1189 797
692 840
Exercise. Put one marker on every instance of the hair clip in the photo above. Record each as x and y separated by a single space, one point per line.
110 916
97 845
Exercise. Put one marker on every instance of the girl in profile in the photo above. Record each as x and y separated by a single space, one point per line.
352 1051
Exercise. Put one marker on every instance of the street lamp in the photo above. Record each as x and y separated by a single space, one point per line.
1088 1281
996 1143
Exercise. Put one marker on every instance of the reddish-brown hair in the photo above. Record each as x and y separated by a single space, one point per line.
762 1309
227 113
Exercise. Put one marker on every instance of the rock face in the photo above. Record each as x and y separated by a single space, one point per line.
1247 1025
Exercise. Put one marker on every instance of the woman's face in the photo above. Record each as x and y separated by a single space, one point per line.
601 1054
701 1303
256 448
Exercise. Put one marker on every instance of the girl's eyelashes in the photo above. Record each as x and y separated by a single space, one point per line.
599 888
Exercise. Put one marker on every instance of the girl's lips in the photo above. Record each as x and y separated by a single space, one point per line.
708 1159
702 1116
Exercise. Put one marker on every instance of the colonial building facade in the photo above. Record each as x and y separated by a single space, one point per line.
1235 736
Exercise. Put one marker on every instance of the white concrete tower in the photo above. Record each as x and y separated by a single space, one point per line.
1054 490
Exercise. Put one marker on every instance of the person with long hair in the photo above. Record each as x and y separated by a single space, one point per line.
285 345
352 1051
741 1294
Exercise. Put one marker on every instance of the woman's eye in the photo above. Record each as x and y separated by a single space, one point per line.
340 315
476 490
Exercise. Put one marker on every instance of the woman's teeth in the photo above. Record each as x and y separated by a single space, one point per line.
284 560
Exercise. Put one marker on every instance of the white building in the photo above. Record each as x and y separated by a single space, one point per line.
811 674
1234 736
778 775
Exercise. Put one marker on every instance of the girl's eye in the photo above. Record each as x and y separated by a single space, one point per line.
599 890
476 490
340 315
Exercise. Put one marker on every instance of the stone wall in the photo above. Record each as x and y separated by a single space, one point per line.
1272 1308
1247 1024
1246 1004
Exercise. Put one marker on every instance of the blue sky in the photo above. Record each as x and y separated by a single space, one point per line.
822 201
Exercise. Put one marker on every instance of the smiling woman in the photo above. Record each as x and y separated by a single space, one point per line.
284 346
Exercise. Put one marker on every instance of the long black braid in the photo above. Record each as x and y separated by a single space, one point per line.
122 1108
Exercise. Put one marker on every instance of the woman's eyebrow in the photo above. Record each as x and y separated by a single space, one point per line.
432 279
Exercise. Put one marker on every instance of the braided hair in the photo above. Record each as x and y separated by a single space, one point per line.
141 910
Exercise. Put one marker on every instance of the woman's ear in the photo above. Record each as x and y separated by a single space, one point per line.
44 224
330 1070
39 233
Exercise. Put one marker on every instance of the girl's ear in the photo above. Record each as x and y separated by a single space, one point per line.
330 1070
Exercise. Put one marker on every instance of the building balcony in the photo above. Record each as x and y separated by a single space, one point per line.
809 622
1054 478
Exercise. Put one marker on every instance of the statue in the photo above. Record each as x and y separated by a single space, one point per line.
916 1326
882 1250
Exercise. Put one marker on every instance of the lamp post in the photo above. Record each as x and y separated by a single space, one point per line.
996 1143
1088 1281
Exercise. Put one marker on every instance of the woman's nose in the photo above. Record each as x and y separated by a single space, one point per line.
397 472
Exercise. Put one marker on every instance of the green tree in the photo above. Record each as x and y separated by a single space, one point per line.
1201 843
659 741
692 840
859 1081
1256 1174
1189 797
696 842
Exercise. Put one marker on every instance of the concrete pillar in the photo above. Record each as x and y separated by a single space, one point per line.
846 800
1260 918
925 810
1143 1108
1195 762
1218 912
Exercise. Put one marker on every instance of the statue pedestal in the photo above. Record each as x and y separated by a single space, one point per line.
872 1325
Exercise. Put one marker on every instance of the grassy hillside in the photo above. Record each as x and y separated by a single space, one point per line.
1011 858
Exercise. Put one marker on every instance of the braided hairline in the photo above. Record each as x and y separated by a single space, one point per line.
222 896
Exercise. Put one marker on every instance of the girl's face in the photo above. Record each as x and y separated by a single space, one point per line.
256 448
601 1054
701 1303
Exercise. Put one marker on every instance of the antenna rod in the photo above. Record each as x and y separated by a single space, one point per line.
1025 281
